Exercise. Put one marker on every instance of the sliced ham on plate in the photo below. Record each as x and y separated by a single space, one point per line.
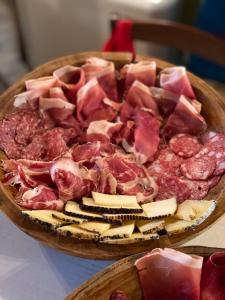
41 197
213 277
184 119
105 73
143 71
166 274
139 95
175 79
71 79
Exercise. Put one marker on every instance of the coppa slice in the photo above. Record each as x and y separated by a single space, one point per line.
146 227
61 216
120 232
160 209
73 230
44 217
96 227
88 204
185 145
134 238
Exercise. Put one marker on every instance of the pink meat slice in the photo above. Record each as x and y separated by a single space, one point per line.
175 79
71 79
45 82
198 188
57 92
119 295
139 95
167 274
104 72
184 119
213 277
185 145
102 130
198 168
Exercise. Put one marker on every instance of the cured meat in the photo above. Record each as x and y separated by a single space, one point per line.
107 183
184 119
57 92
213 278
57 108
198 168
119 295
198 189
104 72
72 180
40 83
207 136
71 79
213 181
166 274
91 105
139 95
30 99
143 71
41 197
102 131
175 79
185 145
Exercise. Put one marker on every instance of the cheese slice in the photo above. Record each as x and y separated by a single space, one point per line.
73 220
147 227
177 226
126 217
134 238
114 200
89 204
44 217
96 227
75 231
185 212
119 232
159 209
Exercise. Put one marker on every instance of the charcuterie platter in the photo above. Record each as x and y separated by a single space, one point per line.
104 157
142 276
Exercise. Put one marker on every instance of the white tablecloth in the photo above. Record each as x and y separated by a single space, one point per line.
31 271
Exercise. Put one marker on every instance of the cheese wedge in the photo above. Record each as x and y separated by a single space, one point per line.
118 232
159 209
134 238
147 227
185 212
44 217
61 216
126 217
89 204
96 227
178 226
75 231
114 200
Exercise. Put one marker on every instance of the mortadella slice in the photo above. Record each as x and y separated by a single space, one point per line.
166 274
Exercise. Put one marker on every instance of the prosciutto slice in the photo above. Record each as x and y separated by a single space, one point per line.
213 277
30 99
102 131
71 79
143 71
139 95
184 119
104 72
166 274
41 197
57 92
175 79
45 82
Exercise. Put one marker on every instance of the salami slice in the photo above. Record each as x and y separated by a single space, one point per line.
198 189
169 161
198 168
185 145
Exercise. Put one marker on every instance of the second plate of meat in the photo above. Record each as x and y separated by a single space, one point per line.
104 157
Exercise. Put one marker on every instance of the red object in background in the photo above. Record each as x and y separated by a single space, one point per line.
121 38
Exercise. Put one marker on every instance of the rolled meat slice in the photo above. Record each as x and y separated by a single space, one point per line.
167 274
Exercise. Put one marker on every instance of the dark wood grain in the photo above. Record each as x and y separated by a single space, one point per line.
213 112
122 275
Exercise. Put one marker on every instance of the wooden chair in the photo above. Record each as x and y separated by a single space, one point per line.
180 36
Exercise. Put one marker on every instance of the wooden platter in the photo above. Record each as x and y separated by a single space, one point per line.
213 111
122 275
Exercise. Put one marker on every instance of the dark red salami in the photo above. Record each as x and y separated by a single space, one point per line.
198 189
198 168
185 145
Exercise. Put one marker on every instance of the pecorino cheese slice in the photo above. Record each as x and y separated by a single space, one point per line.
75 231
73 220
134 238
96 227
114 200
119 232
147 227
160 209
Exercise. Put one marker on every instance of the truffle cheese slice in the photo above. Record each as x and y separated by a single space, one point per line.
126 217
90 205
177 226
118 232
134 238
159 209
44 217
114 200
73 220
75 231
147 227
96 227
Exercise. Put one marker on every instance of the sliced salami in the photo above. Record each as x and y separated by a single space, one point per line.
185 145
169 161
198 189
213 181
198 168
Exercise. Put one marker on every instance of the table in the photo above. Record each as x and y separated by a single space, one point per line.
32 271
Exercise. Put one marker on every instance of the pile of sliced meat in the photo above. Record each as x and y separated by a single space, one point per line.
94 128
166 274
